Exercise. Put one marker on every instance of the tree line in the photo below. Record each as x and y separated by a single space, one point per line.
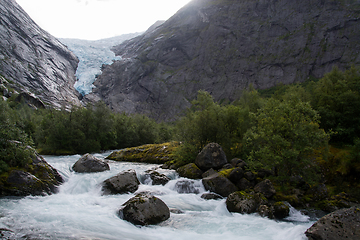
286 129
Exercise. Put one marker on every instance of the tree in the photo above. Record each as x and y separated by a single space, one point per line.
337 99
285 137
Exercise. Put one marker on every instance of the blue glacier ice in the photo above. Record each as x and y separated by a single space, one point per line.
92 55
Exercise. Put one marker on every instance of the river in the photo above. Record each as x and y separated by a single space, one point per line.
79 211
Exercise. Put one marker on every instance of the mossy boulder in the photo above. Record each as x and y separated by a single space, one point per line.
150 153
219 184
36 178
243 202
281 210
144 209
212 156
190 171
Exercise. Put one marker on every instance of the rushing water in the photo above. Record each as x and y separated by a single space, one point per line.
78 211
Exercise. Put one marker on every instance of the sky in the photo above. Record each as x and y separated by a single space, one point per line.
98 19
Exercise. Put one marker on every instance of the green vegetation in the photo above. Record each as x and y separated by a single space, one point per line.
286 129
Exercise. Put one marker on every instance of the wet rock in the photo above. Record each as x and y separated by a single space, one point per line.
265 187
338 225
144 209
212 156
219 184
242 202
211 196
186 186
123 182
190 171
281 210
265 211
88 163
156 178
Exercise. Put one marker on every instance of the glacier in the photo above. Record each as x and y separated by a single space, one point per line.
92 55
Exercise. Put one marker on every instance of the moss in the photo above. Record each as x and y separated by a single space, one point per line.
150 153
226 172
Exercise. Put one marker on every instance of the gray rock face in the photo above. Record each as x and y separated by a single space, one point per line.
124 182
338 225
212 156
88 163
34 60
223 47
144 209
156 178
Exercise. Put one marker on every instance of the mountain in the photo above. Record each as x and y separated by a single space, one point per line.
223 46
33 60
92 55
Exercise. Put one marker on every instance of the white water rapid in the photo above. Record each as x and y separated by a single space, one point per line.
78 211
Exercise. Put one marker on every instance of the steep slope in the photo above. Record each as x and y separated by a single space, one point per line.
34 60
223 46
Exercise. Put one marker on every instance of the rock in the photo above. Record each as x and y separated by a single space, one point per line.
37 178
219 184
236 175
149 153
176 211
211 196
190 171
212 156
244 184
281 210
88 164
208 173
35 60
144 209
338 225
30 99
123 182
249 176
162 70
156 178
263 173
265 211
242 202
318 192
265 187
186 186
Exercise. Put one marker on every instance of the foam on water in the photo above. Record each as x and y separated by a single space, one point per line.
79 211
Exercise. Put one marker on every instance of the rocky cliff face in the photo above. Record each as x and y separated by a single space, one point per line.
223 46
34 60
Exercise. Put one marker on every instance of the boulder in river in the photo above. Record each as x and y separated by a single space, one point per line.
144 209
212 156
219 184
190 171
242 202
88 163
186 186
156 177
123 182
338 225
